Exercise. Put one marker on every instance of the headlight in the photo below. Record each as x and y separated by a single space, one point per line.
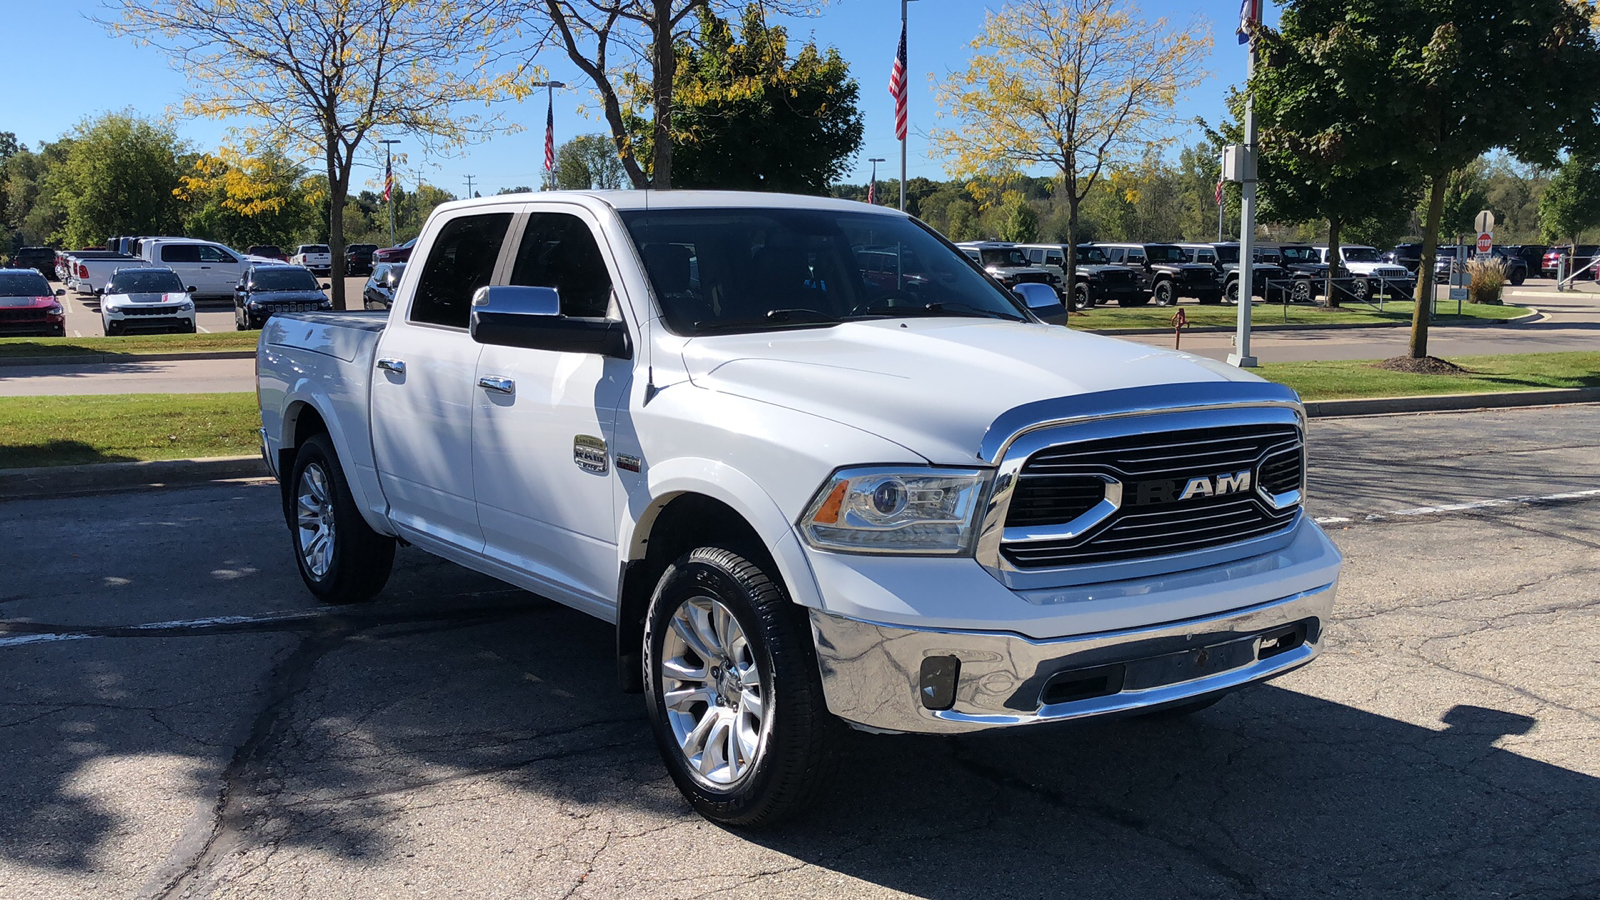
896 510
55 309
186 305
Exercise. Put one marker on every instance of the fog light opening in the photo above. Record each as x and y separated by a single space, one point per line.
938 682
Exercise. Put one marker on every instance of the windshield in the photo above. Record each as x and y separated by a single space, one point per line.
1166 253
733 270
23 284
283 280
1003 256
145 283
1359 254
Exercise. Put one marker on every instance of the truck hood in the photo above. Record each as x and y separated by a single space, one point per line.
933 386
125 299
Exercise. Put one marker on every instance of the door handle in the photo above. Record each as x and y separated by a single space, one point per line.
497 384
397 366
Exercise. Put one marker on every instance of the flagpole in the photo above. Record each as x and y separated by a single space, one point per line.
907 90
388 182
1247 203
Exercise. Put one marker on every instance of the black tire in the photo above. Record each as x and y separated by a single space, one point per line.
1301 291
1518 277
1361 289
1080 298
798 737
358 559
1162 294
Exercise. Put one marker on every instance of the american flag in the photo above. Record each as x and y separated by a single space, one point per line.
897 87
388 182
872 195
550 137
1219 193
1249 14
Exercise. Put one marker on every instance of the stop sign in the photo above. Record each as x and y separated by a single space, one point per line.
1485 242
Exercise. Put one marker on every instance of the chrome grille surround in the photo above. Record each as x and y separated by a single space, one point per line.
1154 411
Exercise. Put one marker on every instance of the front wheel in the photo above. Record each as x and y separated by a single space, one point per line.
1162 294
1300 290
1080 297
734 696
341 559
1361 290
1518 277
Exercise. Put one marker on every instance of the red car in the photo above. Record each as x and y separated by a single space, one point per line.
28 306
269 251
398 254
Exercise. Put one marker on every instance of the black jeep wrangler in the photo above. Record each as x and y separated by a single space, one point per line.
1164 272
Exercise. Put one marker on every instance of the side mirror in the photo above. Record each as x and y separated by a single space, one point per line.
1042 301
61 292
190 288
530 317
322 287
99 291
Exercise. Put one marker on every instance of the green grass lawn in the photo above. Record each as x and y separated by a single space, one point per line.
61 431
1359 378
1111 318
133 344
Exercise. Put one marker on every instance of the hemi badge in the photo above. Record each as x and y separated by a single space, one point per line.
629 463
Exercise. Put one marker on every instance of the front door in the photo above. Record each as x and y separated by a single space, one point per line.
424 384
542 462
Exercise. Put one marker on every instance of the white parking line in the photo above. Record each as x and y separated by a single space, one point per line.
1460 507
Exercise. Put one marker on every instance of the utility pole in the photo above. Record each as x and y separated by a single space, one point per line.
469 187
388 182
1247 203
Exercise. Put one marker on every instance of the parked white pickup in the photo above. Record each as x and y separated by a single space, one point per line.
803 496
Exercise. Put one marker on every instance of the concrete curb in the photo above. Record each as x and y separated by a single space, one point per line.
1532 315
98 478
1378 406
98 359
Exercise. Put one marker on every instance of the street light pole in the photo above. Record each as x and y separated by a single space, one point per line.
872 191
388 183
550 129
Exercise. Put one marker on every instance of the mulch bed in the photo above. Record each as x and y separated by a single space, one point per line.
1427 365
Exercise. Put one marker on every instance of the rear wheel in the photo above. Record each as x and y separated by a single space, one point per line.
1518 276
733 691
341 559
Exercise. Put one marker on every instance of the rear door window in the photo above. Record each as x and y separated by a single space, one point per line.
461 260
180 253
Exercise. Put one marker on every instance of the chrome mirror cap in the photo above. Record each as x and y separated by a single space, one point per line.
517 300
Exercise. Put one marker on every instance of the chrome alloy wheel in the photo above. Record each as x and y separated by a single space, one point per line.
712 692
314 514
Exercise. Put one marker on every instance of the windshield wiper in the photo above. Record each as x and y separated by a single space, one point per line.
774 318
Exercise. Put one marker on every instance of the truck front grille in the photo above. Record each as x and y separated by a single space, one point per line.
1175 492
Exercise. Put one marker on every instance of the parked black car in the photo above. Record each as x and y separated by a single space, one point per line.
1097 281
264 290
1408 255
1268 280
1531 254
1165 273
358 258
42 259
378 293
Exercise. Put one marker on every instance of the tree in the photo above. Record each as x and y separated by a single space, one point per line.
1571 203
1022 220
244 199
120 176
647 33
326 74
588 162
1076 86
1456 79
519 189
750 117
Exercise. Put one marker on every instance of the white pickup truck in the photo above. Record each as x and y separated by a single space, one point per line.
804 497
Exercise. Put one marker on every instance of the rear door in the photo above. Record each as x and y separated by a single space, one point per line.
544 420
184 259
424 385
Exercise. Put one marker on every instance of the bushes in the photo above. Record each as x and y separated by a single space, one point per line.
1488 277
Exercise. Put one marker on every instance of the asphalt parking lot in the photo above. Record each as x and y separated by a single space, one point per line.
180 719
83 312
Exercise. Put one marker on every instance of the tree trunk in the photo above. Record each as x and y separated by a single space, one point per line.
1072 248
1430 243
1334 227
338 189
665 66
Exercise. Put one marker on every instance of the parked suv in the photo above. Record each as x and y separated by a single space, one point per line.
1268 280
1584 255
358 258
28 306
1165 273
1407 255
267 290
1368 274
1097 280
1008 264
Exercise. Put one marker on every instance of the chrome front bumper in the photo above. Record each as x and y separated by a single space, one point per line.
878 677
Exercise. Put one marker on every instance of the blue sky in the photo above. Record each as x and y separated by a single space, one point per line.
83 72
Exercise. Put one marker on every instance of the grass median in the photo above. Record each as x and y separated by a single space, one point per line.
130 345
57 431
64 431
1113 318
